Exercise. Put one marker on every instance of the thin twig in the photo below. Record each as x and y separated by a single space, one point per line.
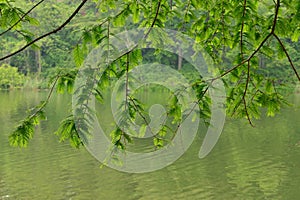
141 115
288 56
245 92
193 108
48 97
126 81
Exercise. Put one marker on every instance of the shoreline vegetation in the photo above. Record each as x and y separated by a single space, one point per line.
12 79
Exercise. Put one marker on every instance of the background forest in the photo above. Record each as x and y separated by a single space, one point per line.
60 50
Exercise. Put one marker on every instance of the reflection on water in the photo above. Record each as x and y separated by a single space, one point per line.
247 163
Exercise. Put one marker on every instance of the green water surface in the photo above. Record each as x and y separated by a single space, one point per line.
247 163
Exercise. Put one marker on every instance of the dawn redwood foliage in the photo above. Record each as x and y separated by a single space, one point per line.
253 43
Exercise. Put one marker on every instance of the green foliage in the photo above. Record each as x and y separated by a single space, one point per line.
67 131
9 13
25 130
249 41
10 77
65 82
119 138
78 55
22 134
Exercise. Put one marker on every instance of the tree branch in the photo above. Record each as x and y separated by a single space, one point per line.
21 18
288 56
246 60
47 34
277 5
154 20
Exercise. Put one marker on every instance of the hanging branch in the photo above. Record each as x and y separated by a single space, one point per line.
47 34
272 33
25 129
127 96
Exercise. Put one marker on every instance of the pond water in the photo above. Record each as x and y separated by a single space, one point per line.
247 163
